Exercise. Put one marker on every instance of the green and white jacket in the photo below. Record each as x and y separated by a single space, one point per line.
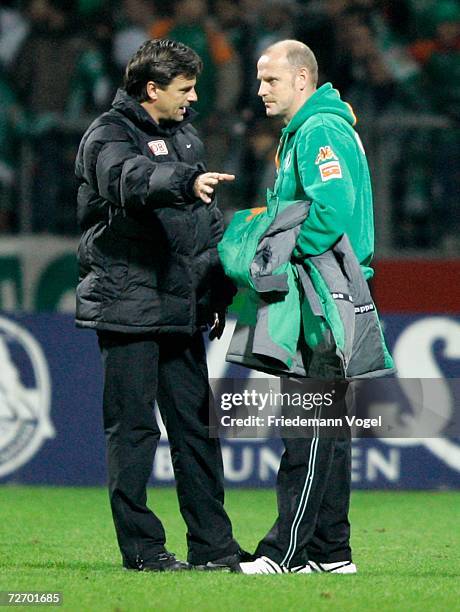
305 258
322 160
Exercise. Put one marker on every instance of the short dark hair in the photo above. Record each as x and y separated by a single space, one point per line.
159 60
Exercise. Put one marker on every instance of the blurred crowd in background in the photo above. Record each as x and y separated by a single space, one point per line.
396 61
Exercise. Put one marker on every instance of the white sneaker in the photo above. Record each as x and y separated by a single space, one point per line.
301 569
340 567
262 565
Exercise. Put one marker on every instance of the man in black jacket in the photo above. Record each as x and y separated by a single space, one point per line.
150 282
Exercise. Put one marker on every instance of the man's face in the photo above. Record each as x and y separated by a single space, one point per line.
172 101
279 88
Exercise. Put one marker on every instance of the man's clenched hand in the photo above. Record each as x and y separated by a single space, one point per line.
218 325
205 184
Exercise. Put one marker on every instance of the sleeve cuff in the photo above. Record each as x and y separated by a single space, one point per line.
187 192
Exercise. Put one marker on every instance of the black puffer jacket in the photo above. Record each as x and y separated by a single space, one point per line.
148 258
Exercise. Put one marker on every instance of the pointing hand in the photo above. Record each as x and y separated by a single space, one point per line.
206 183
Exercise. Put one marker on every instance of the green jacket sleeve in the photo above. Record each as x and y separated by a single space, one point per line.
323 158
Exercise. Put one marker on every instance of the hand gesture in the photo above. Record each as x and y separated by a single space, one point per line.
205 184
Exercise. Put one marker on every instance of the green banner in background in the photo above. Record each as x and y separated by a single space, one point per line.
38 274
55 289
11 283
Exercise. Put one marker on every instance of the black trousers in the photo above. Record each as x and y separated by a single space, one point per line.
313 494
172 370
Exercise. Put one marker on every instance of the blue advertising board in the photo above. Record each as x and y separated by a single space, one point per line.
51 422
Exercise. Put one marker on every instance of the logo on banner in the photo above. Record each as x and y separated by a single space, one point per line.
158 147
431 406
25 396
424 401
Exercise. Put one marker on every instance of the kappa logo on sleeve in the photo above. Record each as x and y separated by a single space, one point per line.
158 147
330 170
324 154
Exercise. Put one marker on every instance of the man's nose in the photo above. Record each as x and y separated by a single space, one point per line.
192 97
262 89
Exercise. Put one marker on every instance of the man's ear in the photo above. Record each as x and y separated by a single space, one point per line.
151 89
303 76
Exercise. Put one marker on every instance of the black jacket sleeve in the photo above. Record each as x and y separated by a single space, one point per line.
116 169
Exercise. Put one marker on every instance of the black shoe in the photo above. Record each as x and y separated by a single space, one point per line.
161 562
225 564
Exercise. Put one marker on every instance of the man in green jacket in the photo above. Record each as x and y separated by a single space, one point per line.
320 159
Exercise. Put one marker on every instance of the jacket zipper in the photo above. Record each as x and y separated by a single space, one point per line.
192 247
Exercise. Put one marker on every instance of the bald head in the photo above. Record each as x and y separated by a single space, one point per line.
288 74
297 54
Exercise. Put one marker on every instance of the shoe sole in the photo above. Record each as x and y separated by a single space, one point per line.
162 569
346 569
211 568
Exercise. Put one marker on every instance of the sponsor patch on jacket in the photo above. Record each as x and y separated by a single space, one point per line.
330 170
158 147
324 154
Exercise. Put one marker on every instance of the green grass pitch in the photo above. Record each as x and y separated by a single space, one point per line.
406 546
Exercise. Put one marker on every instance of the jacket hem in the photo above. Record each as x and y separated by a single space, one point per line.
256 364
374 374
188 330
272 351
276 282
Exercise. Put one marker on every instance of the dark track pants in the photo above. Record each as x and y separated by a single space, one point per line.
313 493
172 370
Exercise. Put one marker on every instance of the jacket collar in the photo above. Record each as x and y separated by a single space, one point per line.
325 99
129 107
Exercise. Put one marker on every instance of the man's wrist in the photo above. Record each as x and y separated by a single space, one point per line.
189 188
